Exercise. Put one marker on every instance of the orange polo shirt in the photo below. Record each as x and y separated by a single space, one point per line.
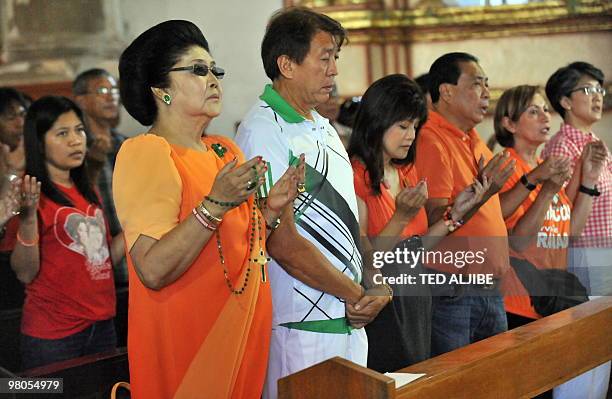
448 158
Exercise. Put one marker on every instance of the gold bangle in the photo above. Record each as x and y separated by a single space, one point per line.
212 219
388 288
208 225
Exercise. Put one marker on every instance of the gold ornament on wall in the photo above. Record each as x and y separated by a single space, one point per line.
432 20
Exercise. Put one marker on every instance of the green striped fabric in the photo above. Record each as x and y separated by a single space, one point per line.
331 326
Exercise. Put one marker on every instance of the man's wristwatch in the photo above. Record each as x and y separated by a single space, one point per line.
274 225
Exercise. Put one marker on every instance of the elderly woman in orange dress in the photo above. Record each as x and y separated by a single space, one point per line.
199 307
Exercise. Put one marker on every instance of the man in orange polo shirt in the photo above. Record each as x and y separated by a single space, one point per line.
450 155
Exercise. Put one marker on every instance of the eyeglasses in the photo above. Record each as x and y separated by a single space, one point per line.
103 91
202 70
590 90
11 116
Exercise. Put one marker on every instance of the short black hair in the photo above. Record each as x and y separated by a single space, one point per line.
290 32
10 96
423 82
146 62
512 103
41 116
387 101
446 69
348 111
80 85
565 80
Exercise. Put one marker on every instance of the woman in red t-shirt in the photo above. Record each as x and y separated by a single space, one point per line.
390 200
64 253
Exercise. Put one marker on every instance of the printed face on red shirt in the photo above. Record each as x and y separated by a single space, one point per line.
65 143
584 107
533 125
469 99
398 138
84 232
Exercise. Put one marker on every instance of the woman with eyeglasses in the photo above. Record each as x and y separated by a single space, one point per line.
576 93
199 319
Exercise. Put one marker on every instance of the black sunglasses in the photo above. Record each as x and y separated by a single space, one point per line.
202 70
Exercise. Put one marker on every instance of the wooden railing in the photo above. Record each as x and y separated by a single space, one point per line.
520 363
85 377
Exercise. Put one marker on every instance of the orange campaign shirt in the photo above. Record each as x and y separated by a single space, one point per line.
381 207
448 158
548 250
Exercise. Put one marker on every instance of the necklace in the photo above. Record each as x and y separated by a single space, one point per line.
260 259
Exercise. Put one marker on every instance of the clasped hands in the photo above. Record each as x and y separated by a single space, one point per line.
552 173
365 310
556 170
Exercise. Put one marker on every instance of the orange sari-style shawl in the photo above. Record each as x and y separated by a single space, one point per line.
193 338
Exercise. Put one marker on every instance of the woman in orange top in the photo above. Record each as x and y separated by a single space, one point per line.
199 304
539 215
390 199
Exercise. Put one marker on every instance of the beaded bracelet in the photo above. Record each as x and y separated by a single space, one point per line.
227 204
27 243
203 222
212 219
451 224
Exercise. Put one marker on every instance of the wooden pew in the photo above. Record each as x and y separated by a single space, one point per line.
11 289
517 364
4 373
10 322
85 377
10 325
